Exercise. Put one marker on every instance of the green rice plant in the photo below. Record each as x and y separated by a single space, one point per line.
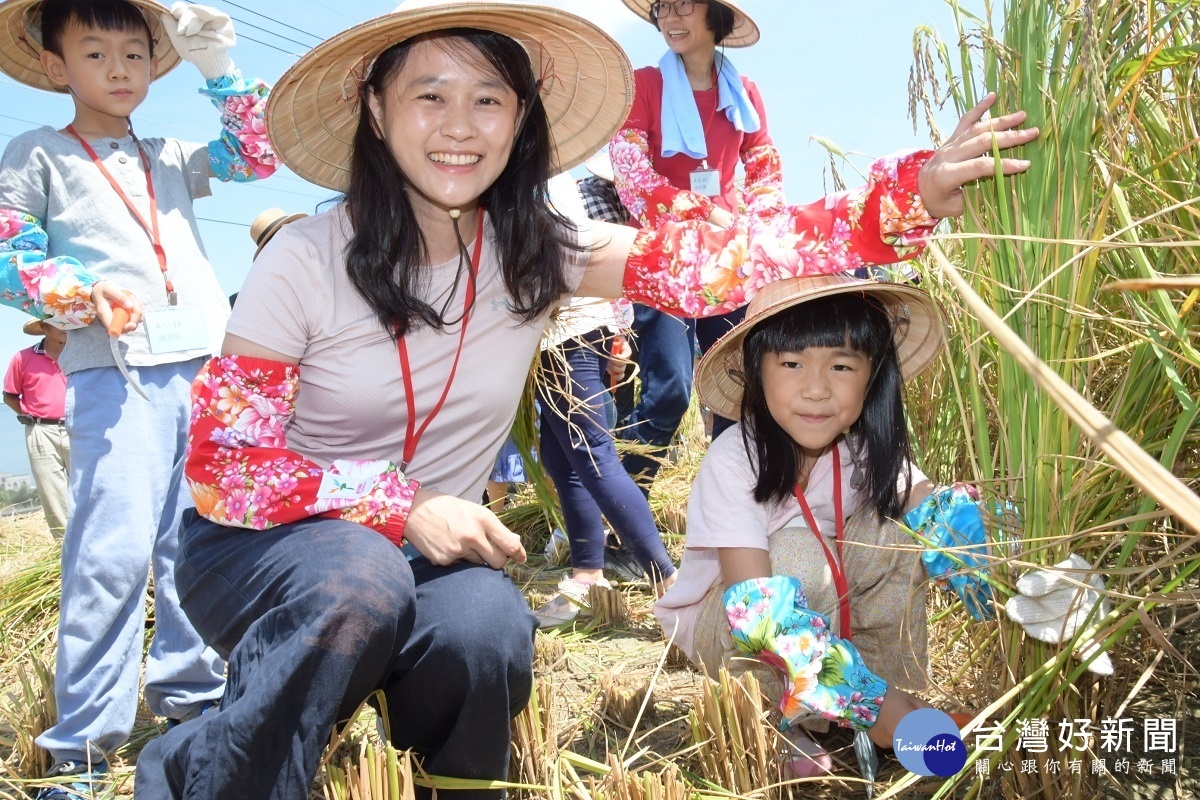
1112 194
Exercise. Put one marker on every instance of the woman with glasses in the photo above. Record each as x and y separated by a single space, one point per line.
693 119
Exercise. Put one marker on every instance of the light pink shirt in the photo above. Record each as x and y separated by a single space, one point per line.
36 379
722 512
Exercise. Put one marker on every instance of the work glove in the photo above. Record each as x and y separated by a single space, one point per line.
1054 603
201 35
951 518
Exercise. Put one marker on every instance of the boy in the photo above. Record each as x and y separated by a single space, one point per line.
93 219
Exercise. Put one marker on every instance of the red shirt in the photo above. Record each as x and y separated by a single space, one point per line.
726 144
35 378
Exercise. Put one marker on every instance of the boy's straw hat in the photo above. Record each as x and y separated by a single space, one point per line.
21 41
744 33
916 326
586 81
267 224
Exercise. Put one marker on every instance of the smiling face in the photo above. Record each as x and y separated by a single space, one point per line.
108 72
689 35
449 122
816 393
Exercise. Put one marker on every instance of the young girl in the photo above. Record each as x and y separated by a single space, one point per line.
796 510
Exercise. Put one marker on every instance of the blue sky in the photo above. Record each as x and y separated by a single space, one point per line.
837 70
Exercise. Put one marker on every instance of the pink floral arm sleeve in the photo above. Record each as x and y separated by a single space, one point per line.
699 270
242 473
763 192
647 195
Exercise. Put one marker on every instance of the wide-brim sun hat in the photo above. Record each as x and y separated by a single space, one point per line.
21 41
916 328
585 78
744 33
267 224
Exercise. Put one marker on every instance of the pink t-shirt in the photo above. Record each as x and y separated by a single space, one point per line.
726 144
722 512
36 379
298 300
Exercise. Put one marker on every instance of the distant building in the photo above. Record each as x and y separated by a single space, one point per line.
15 483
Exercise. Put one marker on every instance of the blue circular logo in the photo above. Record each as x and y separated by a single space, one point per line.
927 742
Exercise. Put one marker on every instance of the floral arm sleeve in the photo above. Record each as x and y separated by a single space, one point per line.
57 289
243 152
763 192
824 675
952 518
647 195
242 474
697 269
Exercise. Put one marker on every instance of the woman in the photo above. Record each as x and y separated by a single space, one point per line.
694 118
372 368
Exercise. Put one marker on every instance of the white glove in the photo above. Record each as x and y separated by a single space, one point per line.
1052 606
201 35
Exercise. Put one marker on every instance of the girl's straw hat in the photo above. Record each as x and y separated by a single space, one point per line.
585 77
916 326
21 41
267 224
744 33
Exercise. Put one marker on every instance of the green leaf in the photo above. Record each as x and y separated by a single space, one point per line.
1167 58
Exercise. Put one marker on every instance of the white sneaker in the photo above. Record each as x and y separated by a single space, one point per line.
564 606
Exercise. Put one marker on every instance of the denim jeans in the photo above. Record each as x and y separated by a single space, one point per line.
128 494
580 456
314 616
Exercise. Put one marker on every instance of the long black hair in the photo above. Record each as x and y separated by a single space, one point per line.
107 15
384 256
839 320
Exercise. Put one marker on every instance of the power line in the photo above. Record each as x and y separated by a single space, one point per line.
273 33
278 22
273 47
224 222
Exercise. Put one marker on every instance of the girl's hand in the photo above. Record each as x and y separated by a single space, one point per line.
967 156
106 294
896 704
446 529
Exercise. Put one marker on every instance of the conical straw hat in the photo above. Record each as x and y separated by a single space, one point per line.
916 326
586 81
21 42
744 33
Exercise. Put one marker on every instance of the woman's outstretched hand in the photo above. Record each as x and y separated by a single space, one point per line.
446 529
967 156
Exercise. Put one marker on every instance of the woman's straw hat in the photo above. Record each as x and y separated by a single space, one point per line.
585 77
21 41
267 224
744 33
916 326
601 166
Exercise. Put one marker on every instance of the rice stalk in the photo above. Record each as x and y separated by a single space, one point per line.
736 747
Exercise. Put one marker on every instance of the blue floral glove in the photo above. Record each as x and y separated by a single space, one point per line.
824 675
951 518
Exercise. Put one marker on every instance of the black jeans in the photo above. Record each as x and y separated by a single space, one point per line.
313 617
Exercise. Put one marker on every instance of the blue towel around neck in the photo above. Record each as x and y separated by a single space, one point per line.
682 129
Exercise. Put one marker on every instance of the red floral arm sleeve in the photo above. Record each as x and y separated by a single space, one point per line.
648 196
763 193
242 473
698 270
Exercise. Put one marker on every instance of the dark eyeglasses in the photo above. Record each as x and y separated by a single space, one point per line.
682 8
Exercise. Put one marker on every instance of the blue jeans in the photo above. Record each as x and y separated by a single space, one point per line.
665 356
314 616
580 456
128 494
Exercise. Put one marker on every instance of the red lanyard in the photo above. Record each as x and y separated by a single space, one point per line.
412 433
836 565
150 229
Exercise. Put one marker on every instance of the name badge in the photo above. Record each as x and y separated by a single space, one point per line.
172 330
706 182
